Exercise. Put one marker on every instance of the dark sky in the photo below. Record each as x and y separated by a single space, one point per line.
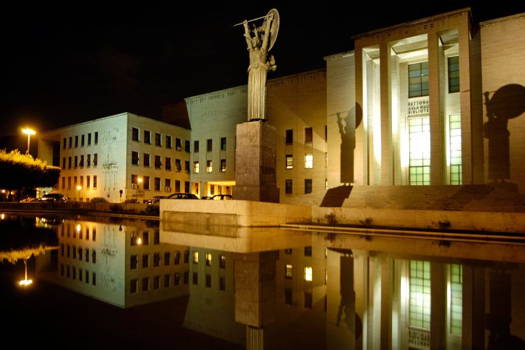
69 64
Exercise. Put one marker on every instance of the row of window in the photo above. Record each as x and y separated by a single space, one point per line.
288 298
418 77
208 258
71 252
308 161
78 161
208 280
308 135
143 239
167 282
145 259
307 251
82 139
143 182
69 231
288 186
209 145
78 182
83 275
135 136
158 162
288 272
209 166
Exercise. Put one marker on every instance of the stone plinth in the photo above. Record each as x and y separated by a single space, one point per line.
255 178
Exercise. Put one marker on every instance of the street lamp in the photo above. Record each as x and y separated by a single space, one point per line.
28 132
25 282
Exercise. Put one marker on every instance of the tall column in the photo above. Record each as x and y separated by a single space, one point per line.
387 160
437 135
387 292
360 177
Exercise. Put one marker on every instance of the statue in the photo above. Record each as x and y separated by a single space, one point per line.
260 40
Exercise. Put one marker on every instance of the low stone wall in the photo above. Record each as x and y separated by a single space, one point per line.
138 208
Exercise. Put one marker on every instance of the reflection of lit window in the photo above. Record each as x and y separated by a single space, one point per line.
289 161
419 306
308 273
288 271
195 257
208 259
456 299
308 161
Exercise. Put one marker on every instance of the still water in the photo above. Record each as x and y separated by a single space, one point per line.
135 284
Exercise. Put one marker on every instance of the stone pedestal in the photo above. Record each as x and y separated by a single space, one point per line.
255 154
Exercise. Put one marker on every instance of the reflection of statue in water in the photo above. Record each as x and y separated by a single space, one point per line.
506 103
260 40
348 122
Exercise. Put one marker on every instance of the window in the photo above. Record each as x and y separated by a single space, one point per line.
178 165
156 237
167 258
134 134
288 186
89 139
95 159
419 150
158 163
187 166
88 160
145 261
82 139
308 251
76 162
454 149
156 259
195 257
135 158
168 141
146 159
168 163
88 181
147 137
308 161
64 144
289 136
94 256
307 300
208 281
167 185
178 144
288 300
82 161
223 143
209 166
64 163
453 74
187 146
95 181
96 138
94 275
146 183
166 281
70 142
195 278
133 263
133 286
145 284
196 146
196 167
76 141
145 237
208 258
134 179
222 261
288 271
223 165
158 139
418 79
177 185
176 260
419 290
308 135
176 279
288 251
308 273
222 283
157 184
209 145
289 161
69 162
307 186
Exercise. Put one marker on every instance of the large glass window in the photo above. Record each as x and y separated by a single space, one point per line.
456 298
453 74
454 148
419 143
308 161
418 79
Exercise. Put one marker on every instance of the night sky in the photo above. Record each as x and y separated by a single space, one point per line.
65 65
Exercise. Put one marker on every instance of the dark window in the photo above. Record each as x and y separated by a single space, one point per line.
178 144
156 259
157 140
146 182
187 146
82 161
209 145
307 186
308 135
167 185
145 284
133 262
196 146
145 260
70 142
308 251
177 186
157 184
146 159
95 159
176 279
145 237
418 79
222 261
133 286
76 141
96 138
167 257
453 74
176 261
195 278
158 163
168 141
289 136
307 300
147 137
168 163
208 281
187 166
178 165
222 283
89 139
63 163
223 143
288 185
94 279
186 186
76 161
135 158
156 237
82 139
94 256
166 281
134 134
64 144
288 296
69 162
89 160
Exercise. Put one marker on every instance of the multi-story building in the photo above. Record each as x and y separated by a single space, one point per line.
121 157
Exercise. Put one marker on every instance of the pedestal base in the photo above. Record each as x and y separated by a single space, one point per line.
255 156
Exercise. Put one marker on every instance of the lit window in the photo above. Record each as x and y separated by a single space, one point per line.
289 161
308 161
195 257
223 165
308 273
419 148
454 150
208 259
288 271
196 167
209 166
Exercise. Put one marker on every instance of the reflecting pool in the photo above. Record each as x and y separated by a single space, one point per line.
139 284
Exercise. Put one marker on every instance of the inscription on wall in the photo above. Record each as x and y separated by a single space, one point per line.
418 106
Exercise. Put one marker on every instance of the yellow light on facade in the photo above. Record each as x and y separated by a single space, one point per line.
308 273
140 179
79 187
139 241
3 191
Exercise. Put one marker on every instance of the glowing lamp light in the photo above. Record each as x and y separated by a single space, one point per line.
25 283
79 187
2 216
139 241
3 191
140 180
78 228
28 131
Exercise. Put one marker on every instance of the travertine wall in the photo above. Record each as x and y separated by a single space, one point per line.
503 73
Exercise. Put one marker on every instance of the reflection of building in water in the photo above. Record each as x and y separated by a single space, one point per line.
119 264
211 288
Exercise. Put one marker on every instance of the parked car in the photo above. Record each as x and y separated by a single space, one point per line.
99 200
222 197
54 197
182 196
28 200
154 200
